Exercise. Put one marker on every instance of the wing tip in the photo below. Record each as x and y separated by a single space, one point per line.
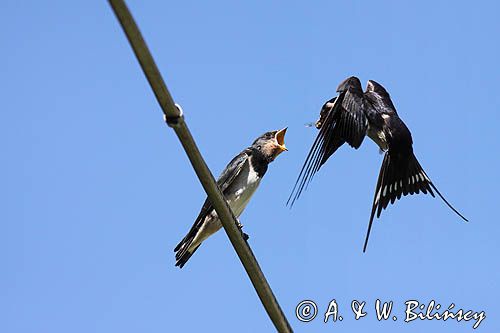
351 81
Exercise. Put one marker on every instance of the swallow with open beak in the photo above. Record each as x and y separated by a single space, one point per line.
238 183
349 117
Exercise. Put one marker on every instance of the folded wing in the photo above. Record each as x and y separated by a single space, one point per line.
231 171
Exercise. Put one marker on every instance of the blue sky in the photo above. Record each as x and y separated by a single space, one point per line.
96 190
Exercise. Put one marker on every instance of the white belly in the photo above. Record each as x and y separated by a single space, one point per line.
246 187
241 191
378 137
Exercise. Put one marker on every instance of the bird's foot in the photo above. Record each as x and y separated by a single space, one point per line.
240 226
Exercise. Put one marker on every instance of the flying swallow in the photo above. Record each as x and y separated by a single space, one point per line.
238 183
351 116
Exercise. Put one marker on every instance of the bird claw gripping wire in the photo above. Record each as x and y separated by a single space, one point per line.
240 226
174 121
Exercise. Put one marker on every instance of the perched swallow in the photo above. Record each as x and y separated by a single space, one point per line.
351 116
238 183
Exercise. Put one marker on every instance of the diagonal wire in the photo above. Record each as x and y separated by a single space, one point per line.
175 119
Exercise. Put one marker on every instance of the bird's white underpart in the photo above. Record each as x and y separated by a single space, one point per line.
237 195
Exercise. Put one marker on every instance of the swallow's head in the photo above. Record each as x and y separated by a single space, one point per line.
271 144
325 110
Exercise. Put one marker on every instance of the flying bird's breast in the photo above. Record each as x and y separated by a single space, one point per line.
378 133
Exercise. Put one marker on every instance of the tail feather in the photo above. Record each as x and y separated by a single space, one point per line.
400 175
182 251
183 255
182 242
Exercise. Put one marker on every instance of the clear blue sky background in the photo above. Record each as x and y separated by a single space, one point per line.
96 190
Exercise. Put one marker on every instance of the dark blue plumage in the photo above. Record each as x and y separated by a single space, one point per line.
351 116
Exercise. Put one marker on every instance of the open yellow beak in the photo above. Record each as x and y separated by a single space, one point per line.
280 138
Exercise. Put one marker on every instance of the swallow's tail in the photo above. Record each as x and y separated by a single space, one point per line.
184 251
426 183
400 174
182 257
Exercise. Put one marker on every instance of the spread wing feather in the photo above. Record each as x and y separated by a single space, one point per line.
341 120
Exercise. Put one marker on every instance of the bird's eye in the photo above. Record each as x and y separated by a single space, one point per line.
259 147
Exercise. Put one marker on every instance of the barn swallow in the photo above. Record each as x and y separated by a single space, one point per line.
349 117
238 183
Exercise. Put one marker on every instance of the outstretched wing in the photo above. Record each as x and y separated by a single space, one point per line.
231 171
352 122
379 98
341 120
